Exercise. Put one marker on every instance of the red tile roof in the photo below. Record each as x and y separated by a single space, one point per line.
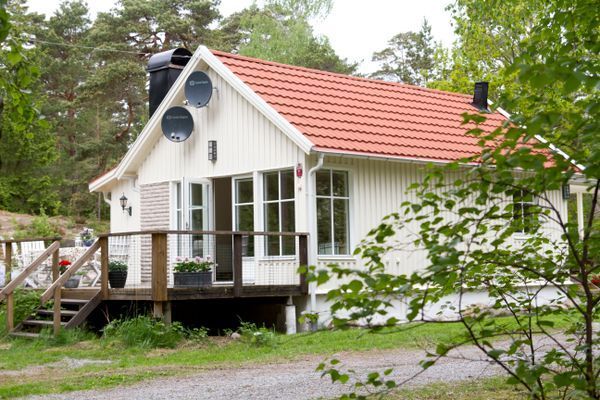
354 115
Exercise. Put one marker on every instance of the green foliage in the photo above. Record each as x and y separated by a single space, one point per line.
117 266
144 331
463 215
280 31
195 264
410 58
41 226
26 302
255 336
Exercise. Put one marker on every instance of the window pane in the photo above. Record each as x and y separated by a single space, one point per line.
196 190
340 184
178 195
245 222
196 220
272 225
340 227
324 226
288 225
287 184
244 191
245 218
271 186
323 183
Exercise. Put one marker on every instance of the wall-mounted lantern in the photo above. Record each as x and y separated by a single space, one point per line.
123 201
212 150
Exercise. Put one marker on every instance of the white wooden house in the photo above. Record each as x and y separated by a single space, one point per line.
296 150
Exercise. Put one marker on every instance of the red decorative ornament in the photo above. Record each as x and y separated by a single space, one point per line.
299 170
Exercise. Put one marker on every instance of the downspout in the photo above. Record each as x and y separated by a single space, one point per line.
312 224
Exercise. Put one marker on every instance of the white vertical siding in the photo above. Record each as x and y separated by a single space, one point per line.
246 142
377 188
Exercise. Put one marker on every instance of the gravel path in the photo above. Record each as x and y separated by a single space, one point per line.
294 380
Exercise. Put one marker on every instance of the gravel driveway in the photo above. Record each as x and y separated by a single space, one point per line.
293 380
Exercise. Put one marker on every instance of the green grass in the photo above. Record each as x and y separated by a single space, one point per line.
480 389
133 364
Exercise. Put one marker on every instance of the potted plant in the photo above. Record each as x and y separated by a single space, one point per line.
72 282
117 274
86 237
193 272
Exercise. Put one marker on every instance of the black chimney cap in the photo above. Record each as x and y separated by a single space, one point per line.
480 96
167 58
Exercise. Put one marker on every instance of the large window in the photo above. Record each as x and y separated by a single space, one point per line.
332 212
244 213
525 217
279 212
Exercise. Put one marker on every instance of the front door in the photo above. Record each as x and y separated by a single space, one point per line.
223 251
192 207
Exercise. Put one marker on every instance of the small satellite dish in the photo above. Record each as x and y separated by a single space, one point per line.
177 124
198 89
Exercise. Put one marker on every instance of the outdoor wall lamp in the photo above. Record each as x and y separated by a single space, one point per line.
123 201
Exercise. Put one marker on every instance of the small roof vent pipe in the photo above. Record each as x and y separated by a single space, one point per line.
480 96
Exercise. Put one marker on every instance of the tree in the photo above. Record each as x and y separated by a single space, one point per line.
26 145
409 57
281 32
465 226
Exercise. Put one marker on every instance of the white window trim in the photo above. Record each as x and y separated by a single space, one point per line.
279 201
350 232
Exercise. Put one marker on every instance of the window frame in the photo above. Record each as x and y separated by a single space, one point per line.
524 226
279 201
332 197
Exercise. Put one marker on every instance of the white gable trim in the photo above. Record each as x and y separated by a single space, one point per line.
146 139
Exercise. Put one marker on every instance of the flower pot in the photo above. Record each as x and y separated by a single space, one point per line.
192 279
88 243
117 279
72 282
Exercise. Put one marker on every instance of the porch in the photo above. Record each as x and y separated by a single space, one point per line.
247 265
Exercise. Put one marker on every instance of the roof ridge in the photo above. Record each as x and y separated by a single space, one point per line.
336 74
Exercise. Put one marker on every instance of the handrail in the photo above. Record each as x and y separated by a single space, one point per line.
11 286
43 239
70 271
182 232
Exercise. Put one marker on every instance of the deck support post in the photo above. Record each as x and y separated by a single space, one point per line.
10 299
7 262
303 260
290 317
159 277
237 265
104 267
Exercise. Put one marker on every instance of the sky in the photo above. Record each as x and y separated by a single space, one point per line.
355 28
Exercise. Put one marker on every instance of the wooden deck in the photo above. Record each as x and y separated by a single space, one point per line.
210 292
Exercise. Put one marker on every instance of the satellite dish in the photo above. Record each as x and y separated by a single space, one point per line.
198 89
177 124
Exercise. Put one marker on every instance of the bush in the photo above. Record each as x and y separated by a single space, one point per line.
261 337
40 227
144 331
117 266
26 302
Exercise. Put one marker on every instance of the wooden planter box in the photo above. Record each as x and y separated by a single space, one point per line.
192 279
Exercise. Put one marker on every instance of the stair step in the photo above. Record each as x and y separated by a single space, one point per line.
74 301
37 322
26 335
64 313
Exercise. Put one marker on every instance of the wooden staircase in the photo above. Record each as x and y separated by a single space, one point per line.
75 306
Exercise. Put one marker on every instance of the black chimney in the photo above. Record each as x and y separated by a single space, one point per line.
164 68
480 96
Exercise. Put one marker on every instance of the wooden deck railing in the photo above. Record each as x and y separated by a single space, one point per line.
11 284
158 246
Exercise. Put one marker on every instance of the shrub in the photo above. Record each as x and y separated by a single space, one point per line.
144 331
196 264
261 337
40 227
26 302
117 266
